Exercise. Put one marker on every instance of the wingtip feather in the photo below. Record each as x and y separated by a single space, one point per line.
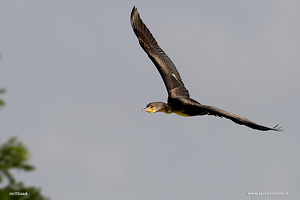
278 128
134 12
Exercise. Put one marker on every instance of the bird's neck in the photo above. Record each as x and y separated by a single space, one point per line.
168 109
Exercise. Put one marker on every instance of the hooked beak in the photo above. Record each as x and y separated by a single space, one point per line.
148 109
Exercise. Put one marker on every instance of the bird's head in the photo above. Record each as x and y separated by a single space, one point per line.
156 107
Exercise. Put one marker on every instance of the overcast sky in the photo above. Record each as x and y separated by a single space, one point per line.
77 81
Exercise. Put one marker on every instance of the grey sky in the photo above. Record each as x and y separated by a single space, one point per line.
77 80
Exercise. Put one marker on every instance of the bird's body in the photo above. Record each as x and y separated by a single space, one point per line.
179 100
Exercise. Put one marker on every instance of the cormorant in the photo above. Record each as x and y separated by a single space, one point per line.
179 100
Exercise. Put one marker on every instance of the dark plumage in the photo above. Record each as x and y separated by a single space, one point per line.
179 100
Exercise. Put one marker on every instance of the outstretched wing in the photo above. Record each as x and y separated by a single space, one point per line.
162 62
210 110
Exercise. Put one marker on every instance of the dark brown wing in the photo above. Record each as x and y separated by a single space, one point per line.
210 110
162 62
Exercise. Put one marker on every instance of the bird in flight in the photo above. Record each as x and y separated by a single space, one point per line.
179 100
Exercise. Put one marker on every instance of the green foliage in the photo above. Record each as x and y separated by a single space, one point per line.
1 101
14 155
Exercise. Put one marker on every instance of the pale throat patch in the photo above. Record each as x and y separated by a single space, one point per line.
150 110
